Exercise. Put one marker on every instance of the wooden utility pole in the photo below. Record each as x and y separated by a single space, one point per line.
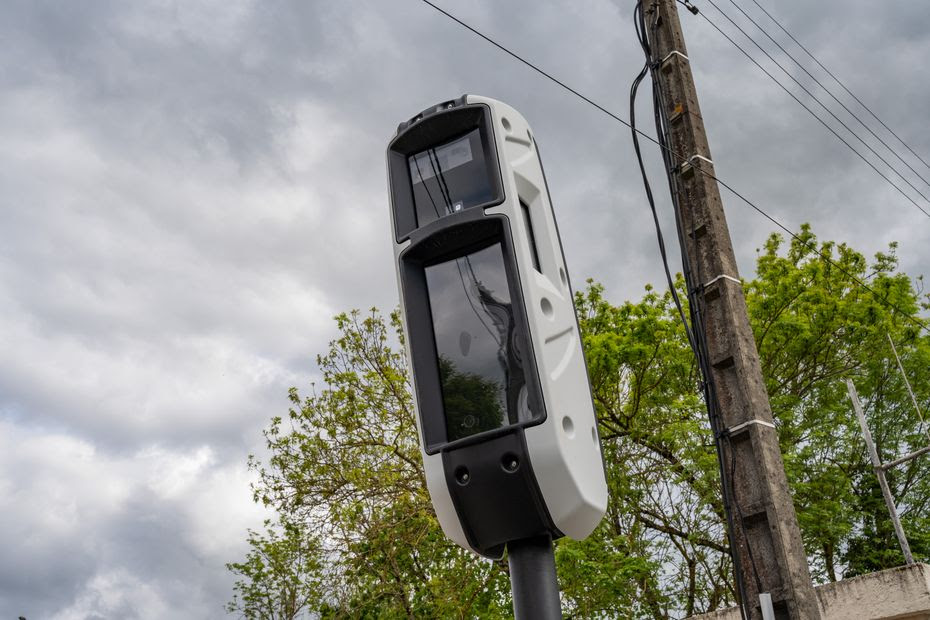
764 526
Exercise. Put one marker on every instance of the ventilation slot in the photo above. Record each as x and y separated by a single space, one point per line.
527 221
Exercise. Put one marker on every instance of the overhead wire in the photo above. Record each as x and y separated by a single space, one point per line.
416 163
812 113
828 91
842 85
883 299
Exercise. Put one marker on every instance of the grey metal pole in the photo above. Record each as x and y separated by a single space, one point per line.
894 349
533 580
880 472
906 458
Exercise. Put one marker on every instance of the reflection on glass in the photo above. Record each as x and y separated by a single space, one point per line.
480 350
450 177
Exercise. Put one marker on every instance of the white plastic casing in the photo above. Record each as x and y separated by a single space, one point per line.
564 449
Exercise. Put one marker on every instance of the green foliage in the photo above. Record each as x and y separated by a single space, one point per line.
661 464
346 464
345 470
814 328
280 574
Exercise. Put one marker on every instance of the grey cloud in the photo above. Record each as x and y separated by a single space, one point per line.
190 191
136 535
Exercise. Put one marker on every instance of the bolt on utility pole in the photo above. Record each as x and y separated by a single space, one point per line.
764 527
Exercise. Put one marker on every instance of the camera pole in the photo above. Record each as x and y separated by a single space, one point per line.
533 579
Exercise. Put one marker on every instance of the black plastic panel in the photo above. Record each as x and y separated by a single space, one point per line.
426 132
495 494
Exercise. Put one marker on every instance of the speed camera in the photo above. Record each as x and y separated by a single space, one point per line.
504 411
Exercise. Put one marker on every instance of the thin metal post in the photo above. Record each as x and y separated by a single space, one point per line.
765 603
908 384
906 458
880 472
533 580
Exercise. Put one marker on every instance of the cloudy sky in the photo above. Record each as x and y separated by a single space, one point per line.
189 191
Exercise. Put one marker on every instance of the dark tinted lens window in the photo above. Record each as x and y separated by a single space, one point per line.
479 346
450 177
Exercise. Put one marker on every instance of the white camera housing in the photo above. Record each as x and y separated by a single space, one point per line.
507 426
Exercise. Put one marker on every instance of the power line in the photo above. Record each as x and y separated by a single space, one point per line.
842 85
536 69
882 299
828 91
811 112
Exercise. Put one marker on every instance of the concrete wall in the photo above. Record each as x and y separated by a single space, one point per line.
896 594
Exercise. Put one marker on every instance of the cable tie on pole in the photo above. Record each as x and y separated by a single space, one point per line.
687 168
673 53
722 276
740 427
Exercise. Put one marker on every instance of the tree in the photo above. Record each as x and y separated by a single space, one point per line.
814 327
661 464
279 579
345 464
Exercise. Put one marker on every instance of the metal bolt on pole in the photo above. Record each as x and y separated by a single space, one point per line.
533 580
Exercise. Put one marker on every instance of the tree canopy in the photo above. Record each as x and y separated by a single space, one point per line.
358 537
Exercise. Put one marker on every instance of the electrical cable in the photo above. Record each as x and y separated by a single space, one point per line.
814 97
447 201
440 179
812 113
828 91
842 85
655 216
416 163
883 299
752 557
471 303
447 197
